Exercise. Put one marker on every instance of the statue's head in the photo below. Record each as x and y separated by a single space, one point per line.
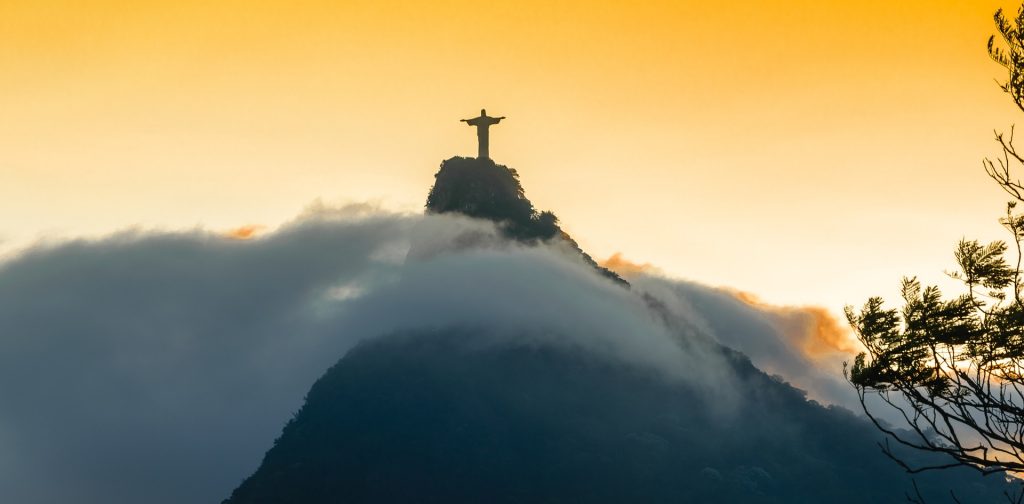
483 112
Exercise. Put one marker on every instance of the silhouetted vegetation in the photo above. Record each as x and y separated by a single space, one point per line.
953 369
478 187
433 417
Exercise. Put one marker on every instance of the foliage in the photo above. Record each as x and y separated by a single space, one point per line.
1012 56
478 187
953 369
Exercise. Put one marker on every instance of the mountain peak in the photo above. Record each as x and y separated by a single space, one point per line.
480 188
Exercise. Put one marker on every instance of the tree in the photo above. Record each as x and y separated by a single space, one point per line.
952 370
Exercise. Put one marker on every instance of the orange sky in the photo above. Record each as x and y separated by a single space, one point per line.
806 151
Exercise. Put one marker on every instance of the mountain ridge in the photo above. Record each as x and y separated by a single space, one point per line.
429 415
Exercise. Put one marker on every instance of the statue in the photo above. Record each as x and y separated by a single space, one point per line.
482 123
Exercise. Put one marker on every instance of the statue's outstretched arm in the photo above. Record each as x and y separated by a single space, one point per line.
500 118
464 120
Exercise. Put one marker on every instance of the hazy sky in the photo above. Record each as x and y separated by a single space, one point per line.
806 151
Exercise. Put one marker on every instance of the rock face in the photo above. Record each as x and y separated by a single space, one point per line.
430 416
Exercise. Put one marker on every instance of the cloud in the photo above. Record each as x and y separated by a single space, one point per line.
245 232
812 329
159 367
805 346
132 364
625 267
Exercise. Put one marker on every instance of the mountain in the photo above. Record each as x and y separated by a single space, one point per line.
483 189
433 415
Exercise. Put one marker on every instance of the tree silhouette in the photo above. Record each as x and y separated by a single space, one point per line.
952 370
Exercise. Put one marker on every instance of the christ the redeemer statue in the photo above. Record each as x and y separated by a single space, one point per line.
482 123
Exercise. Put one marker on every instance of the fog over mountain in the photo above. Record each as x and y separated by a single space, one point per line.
161 366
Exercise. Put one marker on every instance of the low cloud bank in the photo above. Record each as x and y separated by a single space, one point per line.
804 345
159 367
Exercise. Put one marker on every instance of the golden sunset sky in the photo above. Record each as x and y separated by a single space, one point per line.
810 152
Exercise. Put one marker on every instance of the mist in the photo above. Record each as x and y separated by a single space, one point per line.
145 354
